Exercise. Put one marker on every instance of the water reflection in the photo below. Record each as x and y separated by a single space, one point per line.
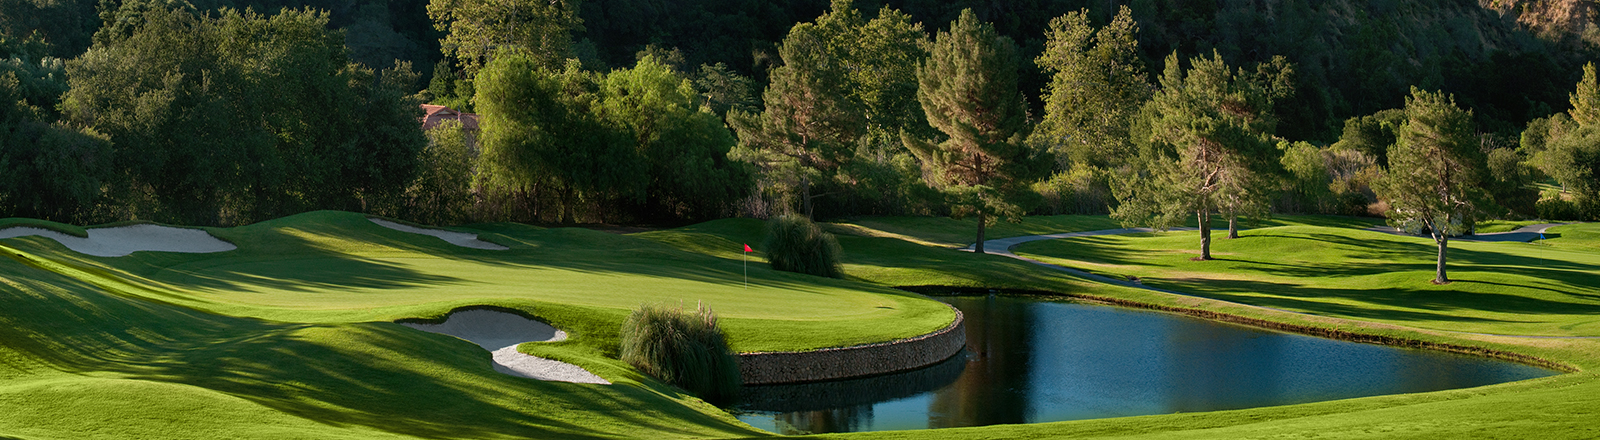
1031 360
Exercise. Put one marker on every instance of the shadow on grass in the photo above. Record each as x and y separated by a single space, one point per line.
1547 286
378 375
295 255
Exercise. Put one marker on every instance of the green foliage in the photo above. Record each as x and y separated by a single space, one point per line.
240 117
686 349
795 244
1372 134
1096 86
479 30
629 144
1435 173
441 194
1573 160
1210 146
968 89
1555 208
684 146
540 130
1586 100
1510 183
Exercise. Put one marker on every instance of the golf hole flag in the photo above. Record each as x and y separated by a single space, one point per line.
747 252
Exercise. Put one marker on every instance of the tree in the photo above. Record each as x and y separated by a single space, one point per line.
1209 146
1097 83
543 133
968 89
684 146
810 122
479 29
236 117
1434 173
1586 99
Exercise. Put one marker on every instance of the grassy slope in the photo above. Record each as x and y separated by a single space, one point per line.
133 348
277 339
1503 288
338 267
85 358
885 250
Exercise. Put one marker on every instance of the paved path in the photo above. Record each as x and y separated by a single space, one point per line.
1002 247
1522 234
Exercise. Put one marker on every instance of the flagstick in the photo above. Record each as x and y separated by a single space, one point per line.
746 269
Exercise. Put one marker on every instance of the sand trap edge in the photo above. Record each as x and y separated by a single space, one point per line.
481 326
462 239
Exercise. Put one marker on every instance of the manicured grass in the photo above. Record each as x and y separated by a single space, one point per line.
339 267
1502 288
1493 226
288 336
82 358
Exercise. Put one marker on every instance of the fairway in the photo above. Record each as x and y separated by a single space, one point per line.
1543 288
290 336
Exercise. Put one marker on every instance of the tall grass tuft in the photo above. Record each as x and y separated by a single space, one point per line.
686 349
795 244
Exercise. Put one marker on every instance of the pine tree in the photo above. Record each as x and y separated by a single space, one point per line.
1209 149
1434 174
968 89
1586 100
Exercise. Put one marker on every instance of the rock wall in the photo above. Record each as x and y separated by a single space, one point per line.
857 361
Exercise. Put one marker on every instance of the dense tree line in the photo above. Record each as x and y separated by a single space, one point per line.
632 111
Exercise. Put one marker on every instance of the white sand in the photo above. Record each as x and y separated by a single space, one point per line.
500 333
123 240
456 238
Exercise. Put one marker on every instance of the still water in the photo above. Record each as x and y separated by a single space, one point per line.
1035 360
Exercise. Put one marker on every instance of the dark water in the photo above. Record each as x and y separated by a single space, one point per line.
1031 360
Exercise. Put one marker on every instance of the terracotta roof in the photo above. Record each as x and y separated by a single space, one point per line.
438 113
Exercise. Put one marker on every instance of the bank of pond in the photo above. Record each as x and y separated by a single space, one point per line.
1036 359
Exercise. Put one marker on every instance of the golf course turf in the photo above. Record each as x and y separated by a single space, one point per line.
291 335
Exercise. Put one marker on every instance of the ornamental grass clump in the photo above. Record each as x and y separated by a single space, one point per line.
795 244
686 349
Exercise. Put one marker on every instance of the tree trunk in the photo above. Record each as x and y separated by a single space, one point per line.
568 202
1444 246
1233 226
982 221
1205 235
805 198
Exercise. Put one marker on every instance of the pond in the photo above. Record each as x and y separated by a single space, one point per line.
1031 360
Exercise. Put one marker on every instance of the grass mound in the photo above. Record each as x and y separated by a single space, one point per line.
686 349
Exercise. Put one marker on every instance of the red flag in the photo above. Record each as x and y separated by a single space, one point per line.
747 248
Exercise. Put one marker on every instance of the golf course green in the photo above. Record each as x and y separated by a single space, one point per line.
292 334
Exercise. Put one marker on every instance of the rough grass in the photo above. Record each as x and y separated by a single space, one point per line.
683 348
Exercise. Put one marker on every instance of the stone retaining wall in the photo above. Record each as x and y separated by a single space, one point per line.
861 360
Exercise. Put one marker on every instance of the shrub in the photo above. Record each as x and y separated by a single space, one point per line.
1556 209
795 244
683 349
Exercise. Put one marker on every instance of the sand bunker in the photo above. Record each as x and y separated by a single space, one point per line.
500 333
123 240
456 238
